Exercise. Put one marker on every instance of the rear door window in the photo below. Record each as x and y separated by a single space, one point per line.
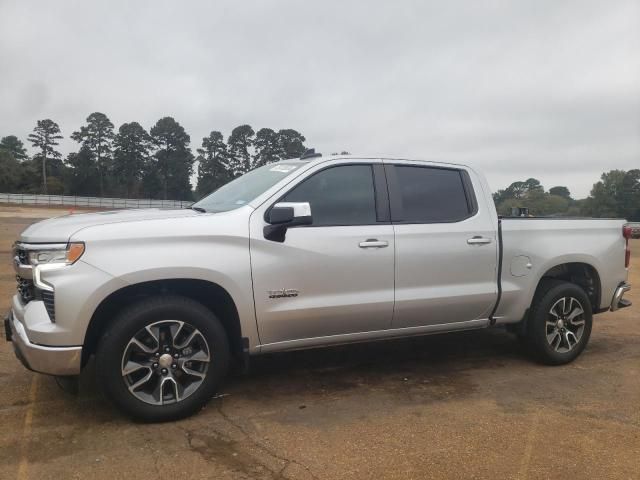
431 195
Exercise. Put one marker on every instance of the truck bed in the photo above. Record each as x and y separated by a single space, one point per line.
531 247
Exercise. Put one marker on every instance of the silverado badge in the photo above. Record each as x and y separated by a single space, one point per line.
284 293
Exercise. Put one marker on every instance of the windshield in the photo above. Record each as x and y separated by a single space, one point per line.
243 189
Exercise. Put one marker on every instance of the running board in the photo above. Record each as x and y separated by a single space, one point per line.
374 335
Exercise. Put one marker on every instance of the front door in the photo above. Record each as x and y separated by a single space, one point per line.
334 277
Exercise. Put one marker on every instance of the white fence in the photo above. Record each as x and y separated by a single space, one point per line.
91 202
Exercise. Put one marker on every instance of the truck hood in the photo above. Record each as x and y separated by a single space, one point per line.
60 229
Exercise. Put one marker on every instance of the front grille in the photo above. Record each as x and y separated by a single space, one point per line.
23 258
49 301
25 289
28 292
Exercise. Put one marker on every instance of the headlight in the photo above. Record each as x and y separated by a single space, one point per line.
57 255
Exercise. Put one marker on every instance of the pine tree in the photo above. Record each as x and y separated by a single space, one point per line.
10 172
14 146
83 176
291 143
97 138
213 171
173 160
239 145
131 150
45 136
267 146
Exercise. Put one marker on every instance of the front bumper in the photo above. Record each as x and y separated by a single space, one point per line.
617 302
39 358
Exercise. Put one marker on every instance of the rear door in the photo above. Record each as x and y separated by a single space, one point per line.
446 245
337 272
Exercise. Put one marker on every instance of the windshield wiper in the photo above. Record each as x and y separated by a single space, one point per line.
198 209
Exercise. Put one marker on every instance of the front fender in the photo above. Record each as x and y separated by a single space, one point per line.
208 247
240 291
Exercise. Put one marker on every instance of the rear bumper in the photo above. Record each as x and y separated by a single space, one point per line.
617 302
48 360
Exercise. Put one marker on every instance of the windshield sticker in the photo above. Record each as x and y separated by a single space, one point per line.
283 168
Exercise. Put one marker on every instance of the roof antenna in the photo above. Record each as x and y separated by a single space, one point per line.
310 153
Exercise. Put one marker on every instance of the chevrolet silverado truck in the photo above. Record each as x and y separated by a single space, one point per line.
299 254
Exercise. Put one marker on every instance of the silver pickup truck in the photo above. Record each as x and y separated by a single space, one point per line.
299 254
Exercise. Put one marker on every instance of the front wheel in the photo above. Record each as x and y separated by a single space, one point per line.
162 358
559 325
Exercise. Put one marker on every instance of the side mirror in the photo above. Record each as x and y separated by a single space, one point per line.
279 215
284 215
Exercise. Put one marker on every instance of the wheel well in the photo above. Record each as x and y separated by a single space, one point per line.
581 274
209 294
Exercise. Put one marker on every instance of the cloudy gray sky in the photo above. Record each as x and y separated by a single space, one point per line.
549 89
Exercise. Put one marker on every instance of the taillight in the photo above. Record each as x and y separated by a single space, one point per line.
626 233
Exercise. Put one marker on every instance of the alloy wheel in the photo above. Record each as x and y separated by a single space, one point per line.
565 324
165 362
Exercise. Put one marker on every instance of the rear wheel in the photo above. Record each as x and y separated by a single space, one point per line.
163 358
559 325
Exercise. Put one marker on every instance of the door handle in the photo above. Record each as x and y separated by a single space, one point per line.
478 240
373 243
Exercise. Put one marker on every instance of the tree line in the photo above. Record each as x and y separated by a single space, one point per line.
159 164
615 195
134 163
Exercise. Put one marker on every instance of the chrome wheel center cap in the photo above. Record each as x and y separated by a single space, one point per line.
560 325
165 360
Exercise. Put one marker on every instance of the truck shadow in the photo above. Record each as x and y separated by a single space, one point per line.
434 347
489 364
339 367
335 369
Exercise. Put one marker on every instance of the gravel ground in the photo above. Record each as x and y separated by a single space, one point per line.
465 405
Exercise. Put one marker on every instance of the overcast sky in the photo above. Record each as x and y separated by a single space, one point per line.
545 89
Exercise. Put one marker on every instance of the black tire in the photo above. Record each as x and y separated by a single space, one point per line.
129 323
538 331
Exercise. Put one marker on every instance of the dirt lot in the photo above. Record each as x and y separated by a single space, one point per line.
466 405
